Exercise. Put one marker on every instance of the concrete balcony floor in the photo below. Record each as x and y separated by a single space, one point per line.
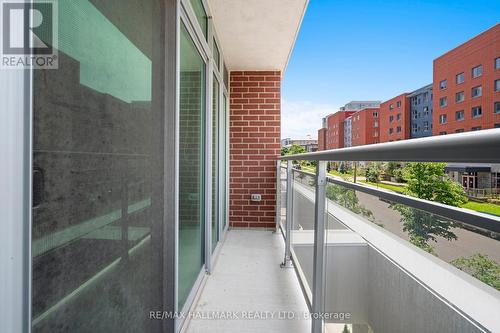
247 279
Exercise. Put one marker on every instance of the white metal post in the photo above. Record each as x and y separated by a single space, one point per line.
278 195
319 249
287 261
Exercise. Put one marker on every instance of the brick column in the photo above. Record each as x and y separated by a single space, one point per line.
255 119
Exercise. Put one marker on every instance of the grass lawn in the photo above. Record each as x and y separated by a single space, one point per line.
483 207
399 189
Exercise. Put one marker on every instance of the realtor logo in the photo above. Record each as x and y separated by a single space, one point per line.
29 34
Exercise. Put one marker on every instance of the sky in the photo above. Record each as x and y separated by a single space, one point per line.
371 50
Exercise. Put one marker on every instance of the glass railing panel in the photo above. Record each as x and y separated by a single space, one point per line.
302 229
282 199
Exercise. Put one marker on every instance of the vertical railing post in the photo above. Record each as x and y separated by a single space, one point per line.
318 291
278 195
287 261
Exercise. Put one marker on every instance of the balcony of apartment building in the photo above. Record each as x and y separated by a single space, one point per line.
143 191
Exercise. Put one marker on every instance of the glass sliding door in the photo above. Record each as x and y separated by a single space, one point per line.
191 165
215 161
98 131
224 162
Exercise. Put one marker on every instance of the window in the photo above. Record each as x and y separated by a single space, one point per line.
442 133
391 118
398 104
442 119
375 114
497 107
426 126
459 115
460 130
398 129
84 254
459 97
442 84
477 71
415 114
459 79
476 112
497 85
216 55
497 125
375 124
398 116
201 15
477 91
443 101
414 128
391 130
391 106
476 128
497 63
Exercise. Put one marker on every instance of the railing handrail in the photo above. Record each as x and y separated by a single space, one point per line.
480 220
469 147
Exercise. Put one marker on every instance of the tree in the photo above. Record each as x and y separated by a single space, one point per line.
296 149
348 199
345 330
284 151
372 173
481 267
429 181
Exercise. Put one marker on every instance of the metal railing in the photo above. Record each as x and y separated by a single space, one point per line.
471 147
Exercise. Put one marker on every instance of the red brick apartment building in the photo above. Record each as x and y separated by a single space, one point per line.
365 127
322 138
335 129
466 85
395 119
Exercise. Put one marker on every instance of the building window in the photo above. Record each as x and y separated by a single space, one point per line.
391 106
442 133
375 124
476 128
459 97
442 84
415 114
476 112
497 107
460 130
497 125
391 118
398 129
414 128
391 130
442 119
477 91
443 101
398 104
426 126
497 85
375 114
477 71
497 63
459 115
398 116
459 79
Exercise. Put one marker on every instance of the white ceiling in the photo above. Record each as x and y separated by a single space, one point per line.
257 34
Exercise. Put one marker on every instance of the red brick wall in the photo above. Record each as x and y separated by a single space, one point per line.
481 50
322 139
255 119
390 108
365 127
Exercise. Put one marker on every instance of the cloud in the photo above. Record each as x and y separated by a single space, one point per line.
299 119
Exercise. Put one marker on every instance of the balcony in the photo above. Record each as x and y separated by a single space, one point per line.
352 254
